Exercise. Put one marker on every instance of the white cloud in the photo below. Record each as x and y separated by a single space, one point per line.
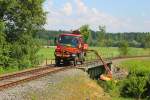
82 14
67 9
81 7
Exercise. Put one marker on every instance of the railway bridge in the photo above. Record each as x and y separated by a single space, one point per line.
94 68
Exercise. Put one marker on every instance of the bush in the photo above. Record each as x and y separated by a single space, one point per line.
24 63
110 87
134 86
123 48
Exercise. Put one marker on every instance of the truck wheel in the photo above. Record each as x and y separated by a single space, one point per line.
57 62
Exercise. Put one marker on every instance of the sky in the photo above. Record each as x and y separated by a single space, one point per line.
116 15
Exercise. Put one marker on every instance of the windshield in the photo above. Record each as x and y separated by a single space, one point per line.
69 40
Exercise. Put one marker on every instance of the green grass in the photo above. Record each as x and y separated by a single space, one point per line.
8 70
139 66
103 51
12 69
114 52
48 53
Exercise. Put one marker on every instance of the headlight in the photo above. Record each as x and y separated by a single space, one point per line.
73 55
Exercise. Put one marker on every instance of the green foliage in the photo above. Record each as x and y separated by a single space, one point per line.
2 35
4 48
48 37
4 70
101 36
147 41
123 48
90 40
110 87
138 82
134 86
85 31
22 19
138 67
134 39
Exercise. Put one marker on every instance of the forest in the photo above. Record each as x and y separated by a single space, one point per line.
100 38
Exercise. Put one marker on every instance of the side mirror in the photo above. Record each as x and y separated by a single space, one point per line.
85 46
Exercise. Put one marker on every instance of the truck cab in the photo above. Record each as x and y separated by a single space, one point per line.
70 47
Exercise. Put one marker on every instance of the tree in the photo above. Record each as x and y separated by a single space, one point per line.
2 35
147 41
90 39
101 35
2 41
123 48
85 31
22 18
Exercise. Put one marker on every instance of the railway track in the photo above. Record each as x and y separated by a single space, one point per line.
21 73
21 77
11 80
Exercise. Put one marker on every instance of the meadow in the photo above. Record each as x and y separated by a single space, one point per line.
137 66
105 52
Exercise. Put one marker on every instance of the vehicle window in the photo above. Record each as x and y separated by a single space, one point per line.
69 40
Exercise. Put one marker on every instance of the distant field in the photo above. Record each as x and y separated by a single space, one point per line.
104 51
137 65
48 53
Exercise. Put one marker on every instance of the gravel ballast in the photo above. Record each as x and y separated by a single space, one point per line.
47 84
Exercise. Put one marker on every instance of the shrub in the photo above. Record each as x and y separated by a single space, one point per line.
110 87
134 86
123 48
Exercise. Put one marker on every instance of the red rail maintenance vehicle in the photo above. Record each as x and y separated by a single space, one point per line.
70 47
